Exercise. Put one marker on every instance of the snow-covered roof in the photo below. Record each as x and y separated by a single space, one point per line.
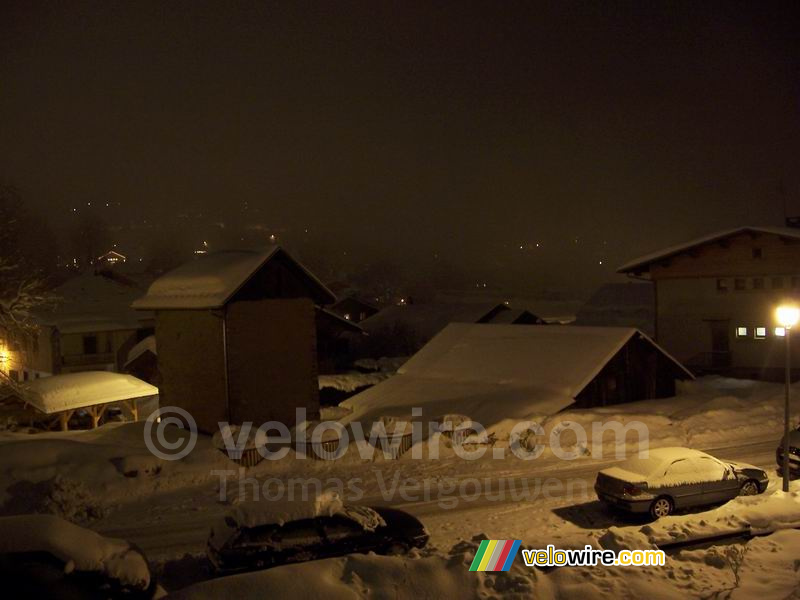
211 280
78 390
641 263
493 372
92 302
148 344
427 319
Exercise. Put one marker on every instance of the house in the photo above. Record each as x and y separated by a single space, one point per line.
336 340
628 304
90 327
111 259
715 298
235 333
516 316
142 361
491 373
401 330
353 309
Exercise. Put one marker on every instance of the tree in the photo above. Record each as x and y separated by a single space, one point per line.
23 288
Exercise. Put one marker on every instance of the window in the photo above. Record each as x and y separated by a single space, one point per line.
739 284
13 374
90 344
758 283
780 332
757 253
722 285
25 375
761 333
777 283
741 332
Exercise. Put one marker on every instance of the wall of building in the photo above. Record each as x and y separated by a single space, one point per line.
191 361
736 284
109 346
272 366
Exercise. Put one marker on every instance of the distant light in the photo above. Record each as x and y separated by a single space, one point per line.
347 316
521 247
600 262
787 315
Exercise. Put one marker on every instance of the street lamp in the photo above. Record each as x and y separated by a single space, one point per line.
787 315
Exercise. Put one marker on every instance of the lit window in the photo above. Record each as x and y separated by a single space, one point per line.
780 331
739 284
741 332
761 333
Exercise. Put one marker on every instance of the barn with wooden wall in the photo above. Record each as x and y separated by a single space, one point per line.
236 338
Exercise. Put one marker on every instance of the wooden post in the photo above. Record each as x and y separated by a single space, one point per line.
63 418
134 409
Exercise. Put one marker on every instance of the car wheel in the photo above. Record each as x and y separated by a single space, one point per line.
749 488
661 507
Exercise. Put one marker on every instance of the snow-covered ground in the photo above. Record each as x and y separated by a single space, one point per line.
107 479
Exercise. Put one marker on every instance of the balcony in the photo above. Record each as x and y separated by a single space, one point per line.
73 361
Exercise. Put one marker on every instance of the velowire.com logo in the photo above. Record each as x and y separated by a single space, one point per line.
495 555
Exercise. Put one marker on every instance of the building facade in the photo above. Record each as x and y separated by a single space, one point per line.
236 340
715 299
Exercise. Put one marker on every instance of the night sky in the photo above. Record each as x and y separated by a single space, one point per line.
412 131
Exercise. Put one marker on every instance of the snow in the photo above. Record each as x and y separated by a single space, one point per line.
494 372
426 320
78 390
327 504
640 468
79 548
93 302
148 344
211 280
638 264
349 382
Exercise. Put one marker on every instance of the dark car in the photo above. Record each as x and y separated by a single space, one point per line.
794 452
243 541
670 478
44 556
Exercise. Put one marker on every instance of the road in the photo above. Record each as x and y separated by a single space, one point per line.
179 524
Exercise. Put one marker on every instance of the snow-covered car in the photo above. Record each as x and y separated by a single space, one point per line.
258 535
44 556
794 452
670 478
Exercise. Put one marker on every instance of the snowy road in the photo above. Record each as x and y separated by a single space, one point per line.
180 521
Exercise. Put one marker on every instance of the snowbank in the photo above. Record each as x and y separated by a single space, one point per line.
79 549
328 504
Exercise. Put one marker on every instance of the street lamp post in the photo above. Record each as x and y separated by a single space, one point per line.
787 316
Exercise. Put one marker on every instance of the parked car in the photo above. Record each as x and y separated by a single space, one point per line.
255 535
794 452
44 556
671 478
